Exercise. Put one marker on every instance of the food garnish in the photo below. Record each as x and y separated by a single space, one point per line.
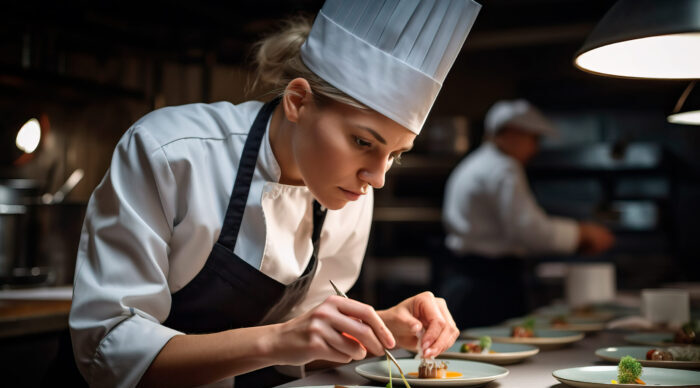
558 321
687 334
483 346
526 330
485 342
628 371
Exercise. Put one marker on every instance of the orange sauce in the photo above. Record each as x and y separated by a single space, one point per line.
449 375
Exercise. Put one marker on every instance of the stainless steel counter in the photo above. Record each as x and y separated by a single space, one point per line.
534 372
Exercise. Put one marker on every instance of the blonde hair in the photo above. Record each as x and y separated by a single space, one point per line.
277 58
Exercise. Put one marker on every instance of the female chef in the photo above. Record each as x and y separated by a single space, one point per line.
208 247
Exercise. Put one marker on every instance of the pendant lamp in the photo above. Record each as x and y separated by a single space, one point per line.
645 39
687 110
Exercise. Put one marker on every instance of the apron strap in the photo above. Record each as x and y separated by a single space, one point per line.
246 169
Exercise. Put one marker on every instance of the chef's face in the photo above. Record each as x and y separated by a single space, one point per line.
521 144
340 150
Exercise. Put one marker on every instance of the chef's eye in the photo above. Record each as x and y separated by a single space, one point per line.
396 158
362 143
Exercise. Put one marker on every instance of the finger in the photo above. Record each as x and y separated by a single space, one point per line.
370 318
449 334
362 332
319 349
346 345
429 312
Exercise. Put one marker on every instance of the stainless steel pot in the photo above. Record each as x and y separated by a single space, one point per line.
16 225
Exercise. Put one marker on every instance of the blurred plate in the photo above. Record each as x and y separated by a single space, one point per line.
614 354
652 339
505 353
473 373
599 313
337 386
601 376
572 323
543 339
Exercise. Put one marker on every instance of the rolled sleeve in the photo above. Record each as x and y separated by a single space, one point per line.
121 292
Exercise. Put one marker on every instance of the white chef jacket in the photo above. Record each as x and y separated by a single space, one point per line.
153 220
489 210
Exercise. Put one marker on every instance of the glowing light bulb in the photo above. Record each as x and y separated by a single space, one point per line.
28 136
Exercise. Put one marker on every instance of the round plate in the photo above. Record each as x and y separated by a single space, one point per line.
505 353
614 354
652 339
473 373
601 376
543 339
572 324
337 385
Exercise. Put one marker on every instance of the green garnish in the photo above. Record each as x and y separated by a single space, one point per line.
388 363
529 324
389 384
629 370
485 342
690 327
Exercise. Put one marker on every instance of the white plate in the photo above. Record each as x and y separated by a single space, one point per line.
473 373
504 353
572 323
543 339
652 339
601 376
614 354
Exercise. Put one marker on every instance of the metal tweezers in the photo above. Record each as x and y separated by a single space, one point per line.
386 351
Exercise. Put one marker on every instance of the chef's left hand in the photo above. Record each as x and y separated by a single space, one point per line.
423 311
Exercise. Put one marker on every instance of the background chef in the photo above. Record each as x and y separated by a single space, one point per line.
493 220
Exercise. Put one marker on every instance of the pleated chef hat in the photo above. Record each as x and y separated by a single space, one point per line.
391 55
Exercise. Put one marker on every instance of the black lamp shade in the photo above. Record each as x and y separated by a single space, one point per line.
645 39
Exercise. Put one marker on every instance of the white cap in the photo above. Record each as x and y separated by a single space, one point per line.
517 113
391 55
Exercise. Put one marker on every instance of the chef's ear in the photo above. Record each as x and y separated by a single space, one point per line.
297 95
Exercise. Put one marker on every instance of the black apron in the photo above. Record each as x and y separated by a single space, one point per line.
229 293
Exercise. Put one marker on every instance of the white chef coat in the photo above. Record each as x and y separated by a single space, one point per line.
152 221
489 210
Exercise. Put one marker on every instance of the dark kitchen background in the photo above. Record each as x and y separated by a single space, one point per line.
88 69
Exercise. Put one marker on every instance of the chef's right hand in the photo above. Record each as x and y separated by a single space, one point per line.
324 334
594 239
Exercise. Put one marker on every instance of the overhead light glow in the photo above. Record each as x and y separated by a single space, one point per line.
674 56
28 136
688 118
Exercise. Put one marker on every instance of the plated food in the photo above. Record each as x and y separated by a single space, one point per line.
682 357
498 353
603 376
464 373
542 338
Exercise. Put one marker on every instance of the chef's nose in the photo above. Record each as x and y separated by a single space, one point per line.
374 175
